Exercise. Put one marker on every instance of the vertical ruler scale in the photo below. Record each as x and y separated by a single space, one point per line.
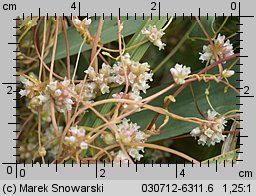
155 177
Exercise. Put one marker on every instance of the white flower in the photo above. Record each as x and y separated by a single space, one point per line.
120 157
73 130
223 49
212 114
228 73
104 88
134 153
202 140
52 85
23 92
76 134
159 44
180 73
210 133
118 95
77 21
91 73
140 136
87 22
57 93
42 99
25 81
154 35
83 145
72 139
80 132
28 86
84 23
196 132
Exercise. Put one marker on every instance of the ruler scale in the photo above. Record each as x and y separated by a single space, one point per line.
21 178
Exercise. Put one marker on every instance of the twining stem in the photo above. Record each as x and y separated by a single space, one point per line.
67 47
195 101
52 107
67 57
39 134
167 25
112 127
54 47
129 48
42 53
36 35
77 60
31 116
95 43
121 55
83 84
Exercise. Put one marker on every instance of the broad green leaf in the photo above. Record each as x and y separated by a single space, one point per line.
184 106
227 157
109 34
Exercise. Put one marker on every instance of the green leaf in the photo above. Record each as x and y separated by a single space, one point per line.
109 34
228 157
184 106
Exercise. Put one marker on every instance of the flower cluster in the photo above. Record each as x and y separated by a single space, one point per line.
29 87
63 94
99 80
128 132
180 73
37 97
223 49
210 133
138 75
75 138
154 35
